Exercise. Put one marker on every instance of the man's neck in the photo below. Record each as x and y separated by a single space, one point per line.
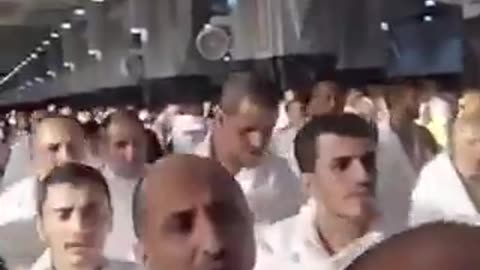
219 153
337 233
62 265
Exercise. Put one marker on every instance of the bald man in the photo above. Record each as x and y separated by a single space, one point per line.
449 186
56 140
124 150
438 246
190 214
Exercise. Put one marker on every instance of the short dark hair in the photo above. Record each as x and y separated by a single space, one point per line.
71 173
348 125
258 89
395 91
138 208
120 114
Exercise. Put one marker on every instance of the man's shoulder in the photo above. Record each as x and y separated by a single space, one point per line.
278 236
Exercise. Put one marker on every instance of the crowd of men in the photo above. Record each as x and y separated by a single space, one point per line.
324 179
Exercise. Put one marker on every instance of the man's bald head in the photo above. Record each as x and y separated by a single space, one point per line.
125 144
189 213
56 140
439 246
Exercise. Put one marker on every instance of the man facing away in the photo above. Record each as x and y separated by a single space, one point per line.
239 140
56 140
190 214
336 154
74 218
449 186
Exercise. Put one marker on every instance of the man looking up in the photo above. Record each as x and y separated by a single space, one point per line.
336 154
190 214
56 140
74 218
239 140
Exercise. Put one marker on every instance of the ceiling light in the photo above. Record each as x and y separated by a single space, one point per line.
54 35
430 3
428 18
46 43
66 26
79 12
34 56
39 49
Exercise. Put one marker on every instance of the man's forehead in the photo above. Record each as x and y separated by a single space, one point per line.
67 194
336 145
57 131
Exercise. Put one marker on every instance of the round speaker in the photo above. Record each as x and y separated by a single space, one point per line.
213 42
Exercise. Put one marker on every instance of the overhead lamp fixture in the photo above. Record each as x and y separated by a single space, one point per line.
66 26
52 73
39 80
46 43
54 35
427 18
34 56
69 65
384 26
39 49
98 1
29 83
79 12
430 3
97 54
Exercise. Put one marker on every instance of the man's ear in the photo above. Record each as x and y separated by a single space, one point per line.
219 116
139 253
40 229
307 181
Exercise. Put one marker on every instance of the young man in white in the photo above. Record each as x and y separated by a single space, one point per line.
449 186
239 140
336 154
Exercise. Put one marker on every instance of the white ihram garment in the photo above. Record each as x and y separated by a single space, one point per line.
294 243
188 132
395 182
441 195
20 244
272 190
282 144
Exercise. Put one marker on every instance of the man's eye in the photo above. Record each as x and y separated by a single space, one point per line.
342 164
182 223
53 148
65 214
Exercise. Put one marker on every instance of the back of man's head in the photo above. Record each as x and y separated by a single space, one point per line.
347 125
439 246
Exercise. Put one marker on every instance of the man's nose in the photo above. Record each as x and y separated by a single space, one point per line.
210 239
359 172
257 139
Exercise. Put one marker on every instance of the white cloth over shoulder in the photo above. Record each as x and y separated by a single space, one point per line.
272 190
121 241
45 263
282 144
295 242
395 182
441 195
19 162
20 244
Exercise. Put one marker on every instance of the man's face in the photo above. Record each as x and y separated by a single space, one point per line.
126 149
296 111
191 226
248 132
326 98
58 141
412 99
75 224
345 176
